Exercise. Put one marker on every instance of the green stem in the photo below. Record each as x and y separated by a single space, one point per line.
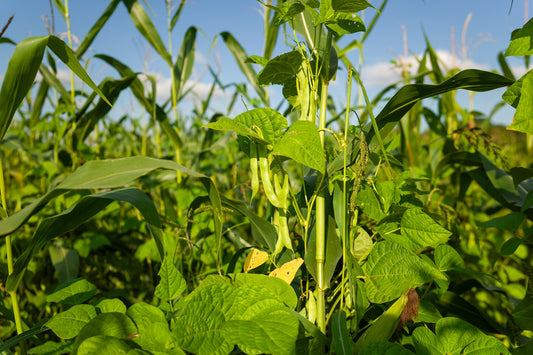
174 90
9 252
321 198
344 185
69 34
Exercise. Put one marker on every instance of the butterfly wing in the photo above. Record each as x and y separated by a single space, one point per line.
287 271
255 259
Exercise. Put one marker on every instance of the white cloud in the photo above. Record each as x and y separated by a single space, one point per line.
382 74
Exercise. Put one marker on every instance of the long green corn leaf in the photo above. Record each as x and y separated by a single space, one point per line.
246 68
341 337
108 174
407 96
145 26
111 89
84 209
185 61
22 69
98 25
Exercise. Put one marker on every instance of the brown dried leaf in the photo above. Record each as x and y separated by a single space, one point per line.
411 308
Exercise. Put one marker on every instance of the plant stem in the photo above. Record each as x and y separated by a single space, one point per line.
344 231
174 90
9 252
321 198
69 34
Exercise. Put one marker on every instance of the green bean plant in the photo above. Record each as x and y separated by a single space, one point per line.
286 229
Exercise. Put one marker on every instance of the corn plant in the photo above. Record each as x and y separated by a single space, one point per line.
290 230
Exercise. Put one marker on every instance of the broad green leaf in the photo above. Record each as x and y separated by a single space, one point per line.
246 68
421 230
72 293
447 258
509 222
287 11
154 333
66 263
455 336
341 337
52 348
270 122
512 244
84 209
97 27
522 120
110 305
409 95
503 183
513 92
172 283
221 313
274 286
382 348
346 23
392 270
265 327
227 124
521 41
68 324
428 312
104 344
349 5
362 244
116 325
145 26
368 201
523 313
198 327
301 142
280 69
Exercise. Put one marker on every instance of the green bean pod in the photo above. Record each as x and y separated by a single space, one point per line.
265 176
255 169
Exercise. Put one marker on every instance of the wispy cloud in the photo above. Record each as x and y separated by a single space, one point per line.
382 74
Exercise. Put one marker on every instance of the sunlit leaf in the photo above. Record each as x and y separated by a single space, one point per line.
73 292
280 69
68 324
392 270
301 142
172 283
521 41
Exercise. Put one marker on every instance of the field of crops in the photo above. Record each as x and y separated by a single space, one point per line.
396 223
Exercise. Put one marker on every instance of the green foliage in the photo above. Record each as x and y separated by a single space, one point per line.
414 226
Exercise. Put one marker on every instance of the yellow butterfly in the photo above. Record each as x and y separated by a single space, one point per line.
255 259
287 271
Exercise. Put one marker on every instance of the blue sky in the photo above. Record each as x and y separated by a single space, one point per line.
488 33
